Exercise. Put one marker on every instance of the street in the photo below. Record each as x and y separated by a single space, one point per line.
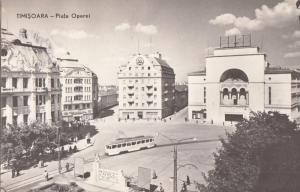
196 157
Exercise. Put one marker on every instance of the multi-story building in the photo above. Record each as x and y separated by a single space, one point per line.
238 80
107 97
79 90
30 85
181 97
146 88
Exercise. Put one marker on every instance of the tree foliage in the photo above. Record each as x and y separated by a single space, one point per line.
243 162
32 139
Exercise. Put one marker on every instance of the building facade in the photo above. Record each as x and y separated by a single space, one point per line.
79 91
238 80
181 97
146 88
108 97
30 84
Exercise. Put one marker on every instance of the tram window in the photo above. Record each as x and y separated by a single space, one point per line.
143 141
128 144
151 140
124 145
138 142
119 145
147 141
133 143
114 146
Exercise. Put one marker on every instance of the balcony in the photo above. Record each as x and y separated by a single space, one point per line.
130 85
130 93
41 89
149 85
13 90
149 100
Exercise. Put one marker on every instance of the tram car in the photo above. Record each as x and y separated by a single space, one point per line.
129 144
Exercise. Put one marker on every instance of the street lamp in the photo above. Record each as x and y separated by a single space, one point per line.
59 150
176 142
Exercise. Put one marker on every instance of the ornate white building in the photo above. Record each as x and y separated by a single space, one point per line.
238 80
79 90
146 88
30 85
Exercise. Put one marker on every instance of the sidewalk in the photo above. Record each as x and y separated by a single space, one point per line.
34 173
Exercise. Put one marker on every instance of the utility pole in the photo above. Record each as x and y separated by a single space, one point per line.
59 150
175 168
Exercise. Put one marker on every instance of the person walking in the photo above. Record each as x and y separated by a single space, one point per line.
161 189
67 167
46 175
188 182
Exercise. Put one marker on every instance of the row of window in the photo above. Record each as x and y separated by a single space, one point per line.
78 81
139 80
39 82
136 97
39 117
140 74
78 98
142 68
142 89
77 106
128 144
14 82
77 89
143 104
40 100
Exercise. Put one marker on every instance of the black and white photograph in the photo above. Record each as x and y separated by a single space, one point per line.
150 96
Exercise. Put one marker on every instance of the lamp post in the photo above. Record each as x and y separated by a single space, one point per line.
176 142
59 150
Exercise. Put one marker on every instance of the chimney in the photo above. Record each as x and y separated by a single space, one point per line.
23 33
159 55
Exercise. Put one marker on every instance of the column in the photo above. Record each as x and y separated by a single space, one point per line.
32 108
9 110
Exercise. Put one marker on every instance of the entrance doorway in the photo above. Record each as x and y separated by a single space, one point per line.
140 115
77 118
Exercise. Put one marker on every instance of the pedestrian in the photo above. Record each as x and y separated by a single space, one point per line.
154 176
70 149
67 167
161 189
184 189
13 172
188 182
46 175
75 149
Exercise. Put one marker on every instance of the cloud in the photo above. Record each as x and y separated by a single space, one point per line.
277 16
233 31
146 29
296 34
224 19
292 54
73 34
294 45
122 27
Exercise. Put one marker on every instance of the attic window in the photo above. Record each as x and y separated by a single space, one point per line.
3 52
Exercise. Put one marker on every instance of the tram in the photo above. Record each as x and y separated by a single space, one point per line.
129 144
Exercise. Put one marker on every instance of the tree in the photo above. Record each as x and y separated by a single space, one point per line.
32 139
240 162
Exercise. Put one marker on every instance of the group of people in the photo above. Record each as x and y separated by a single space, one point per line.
183 188
15 171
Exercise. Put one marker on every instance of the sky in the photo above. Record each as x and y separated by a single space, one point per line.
183 31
